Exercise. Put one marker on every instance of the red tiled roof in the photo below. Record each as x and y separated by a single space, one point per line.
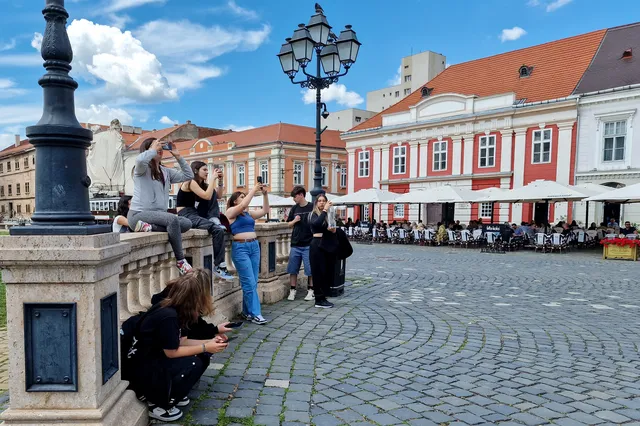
557 69
12 150
156 134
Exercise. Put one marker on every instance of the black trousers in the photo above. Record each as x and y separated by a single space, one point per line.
214 230
323 266
169 378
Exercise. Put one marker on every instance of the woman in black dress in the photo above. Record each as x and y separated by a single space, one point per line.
322 252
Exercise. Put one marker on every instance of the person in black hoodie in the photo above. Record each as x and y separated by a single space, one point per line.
322 252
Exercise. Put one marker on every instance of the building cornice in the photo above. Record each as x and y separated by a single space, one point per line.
446 178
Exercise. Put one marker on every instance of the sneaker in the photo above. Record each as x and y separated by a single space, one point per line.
246 316
170 415
183 266
222 273
259 320
309 295
292 294
142 227
325 304
182 403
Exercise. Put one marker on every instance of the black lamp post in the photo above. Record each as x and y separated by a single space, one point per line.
62 184
332 52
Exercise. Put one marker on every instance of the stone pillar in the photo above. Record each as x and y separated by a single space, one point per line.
62 301
518 170
563 166
456 155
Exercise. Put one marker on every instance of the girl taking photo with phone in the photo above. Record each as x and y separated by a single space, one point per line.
151 185
245 249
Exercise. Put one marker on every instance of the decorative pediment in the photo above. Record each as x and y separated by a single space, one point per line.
442 105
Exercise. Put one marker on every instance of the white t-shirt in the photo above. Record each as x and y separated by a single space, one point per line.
116 227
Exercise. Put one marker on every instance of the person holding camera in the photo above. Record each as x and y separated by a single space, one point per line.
301 237
151 185
195 192
245 249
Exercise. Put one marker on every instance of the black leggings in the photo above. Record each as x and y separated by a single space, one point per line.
323 266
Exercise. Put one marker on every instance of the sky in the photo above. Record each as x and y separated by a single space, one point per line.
153 63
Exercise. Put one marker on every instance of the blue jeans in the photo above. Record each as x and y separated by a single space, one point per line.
246 258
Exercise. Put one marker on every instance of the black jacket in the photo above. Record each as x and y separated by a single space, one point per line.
329 241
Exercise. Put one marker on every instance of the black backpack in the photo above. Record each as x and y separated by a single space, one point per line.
129 348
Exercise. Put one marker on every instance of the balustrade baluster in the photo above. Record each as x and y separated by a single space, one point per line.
144 289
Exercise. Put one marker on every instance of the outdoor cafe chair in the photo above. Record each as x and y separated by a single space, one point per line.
493 239
466 238
541 242
453 238
559 242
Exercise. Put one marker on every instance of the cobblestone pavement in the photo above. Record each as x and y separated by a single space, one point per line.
434 336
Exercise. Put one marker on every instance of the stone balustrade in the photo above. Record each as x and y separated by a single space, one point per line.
150 264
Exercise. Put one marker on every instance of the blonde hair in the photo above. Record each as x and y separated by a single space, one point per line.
190 295
316 210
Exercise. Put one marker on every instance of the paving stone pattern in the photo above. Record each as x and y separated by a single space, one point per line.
434 336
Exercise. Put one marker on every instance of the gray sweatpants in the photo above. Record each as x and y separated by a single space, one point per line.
175 226
217 233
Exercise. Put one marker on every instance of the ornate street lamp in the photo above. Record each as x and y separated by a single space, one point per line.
332 53
62 183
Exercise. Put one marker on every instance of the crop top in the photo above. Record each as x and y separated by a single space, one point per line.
243 223
186 199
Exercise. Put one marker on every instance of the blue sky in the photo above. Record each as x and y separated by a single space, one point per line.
153 62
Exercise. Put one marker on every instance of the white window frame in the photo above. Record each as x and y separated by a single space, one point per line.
264 172
325 177
399 160
614 136
438 152
363 163
398 211
298 173
241 175
343 177
541 142
485 210
483 151
407 78
365 212
407 92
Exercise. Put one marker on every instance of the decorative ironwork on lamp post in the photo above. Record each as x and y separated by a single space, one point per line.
62 183
332 52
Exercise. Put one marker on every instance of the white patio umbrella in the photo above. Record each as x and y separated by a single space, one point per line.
590 189
330 197
437 195
539 191
274 201
366 196
627 194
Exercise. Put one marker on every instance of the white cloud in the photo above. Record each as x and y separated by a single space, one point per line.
118 20
335 93
533 3
397 79
118 5
102 114
192 76
6 140
8 46
167 120
241 11
511 34
8 89
239 128
21 60
106 54
557 4
20 114
196 43
36 42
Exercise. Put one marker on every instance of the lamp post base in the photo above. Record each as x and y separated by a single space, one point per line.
60 230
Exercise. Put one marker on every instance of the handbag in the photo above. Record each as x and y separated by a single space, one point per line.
344 245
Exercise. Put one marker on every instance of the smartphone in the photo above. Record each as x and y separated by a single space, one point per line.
166 146
234 324
259 179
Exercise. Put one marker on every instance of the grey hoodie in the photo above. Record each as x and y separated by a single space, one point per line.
150 194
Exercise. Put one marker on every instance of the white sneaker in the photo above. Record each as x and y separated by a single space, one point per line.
170 415
259 320
309 296
142 227
183 266
292 294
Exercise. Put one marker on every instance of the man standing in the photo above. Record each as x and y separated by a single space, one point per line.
210 209
300 241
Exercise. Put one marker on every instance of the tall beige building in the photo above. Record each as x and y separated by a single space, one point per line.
415 70
17 180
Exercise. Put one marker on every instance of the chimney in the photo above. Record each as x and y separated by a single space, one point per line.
17 140
188 121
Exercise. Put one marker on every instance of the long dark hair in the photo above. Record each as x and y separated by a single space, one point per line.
233 198
196 166
123 205
190 296
156 171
